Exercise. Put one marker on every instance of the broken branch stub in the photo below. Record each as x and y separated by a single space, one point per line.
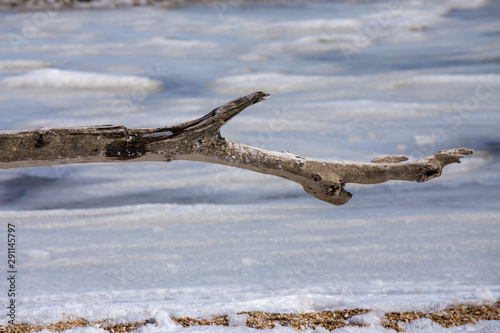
200 140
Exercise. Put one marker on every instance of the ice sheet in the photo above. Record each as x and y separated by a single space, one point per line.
133 241
60 79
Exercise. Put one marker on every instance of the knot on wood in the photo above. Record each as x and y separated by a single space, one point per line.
331 189
45 137
333 193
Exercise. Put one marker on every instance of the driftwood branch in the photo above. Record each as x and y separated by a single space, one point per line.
200 140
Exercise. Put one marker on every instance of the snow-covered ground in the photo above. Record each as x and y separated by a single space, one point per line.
348 81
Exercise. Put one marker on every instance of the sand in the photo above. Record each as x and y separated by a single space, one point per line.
330 320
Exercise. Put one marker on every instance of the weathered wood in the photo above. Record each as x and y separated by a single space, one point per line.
200 140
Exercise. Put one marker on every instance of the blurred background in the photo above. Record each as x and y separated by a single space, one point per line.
348 80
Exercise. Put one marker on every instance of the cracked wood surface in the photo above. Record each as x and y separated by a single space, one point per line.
200 140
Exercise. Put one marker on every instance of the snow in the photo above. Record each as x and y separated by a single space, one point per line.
22 65
367 319
57 78
307 27
491 82
133 241
179 47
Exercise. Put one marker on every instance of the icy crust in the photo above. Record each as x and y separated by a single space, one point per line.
58 78
16 65
181 47
163 305
170 244
218 241
284 82
489 81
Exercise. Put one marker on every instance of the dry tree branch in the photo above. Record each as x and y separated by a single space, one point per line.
200 140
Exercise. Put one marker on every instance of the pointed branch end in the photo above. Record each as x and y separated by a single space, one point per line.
435 163
226 112
260 96
461 152
449 156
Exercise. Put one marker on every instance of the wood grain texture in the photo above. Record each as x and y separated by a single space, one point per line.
200 140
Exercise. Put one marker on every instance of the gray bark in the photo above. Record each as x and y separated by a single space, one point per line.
200 140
